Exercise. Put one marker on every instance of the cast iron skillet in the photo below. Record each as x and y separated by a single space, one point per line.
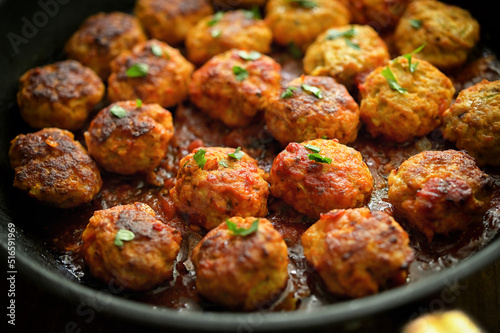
32 33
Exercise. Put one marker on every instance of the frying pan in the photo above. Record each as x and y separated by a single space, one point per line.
32 33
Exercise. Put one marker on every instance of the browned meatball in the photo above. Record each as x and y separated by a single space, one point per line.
448 32
300 22
128 246
238 271
223 31
170 20
346 53
54 168
127 137
232 89
216 183
440 192
380 14
300 112
411 110
357 252
60 95
473 122
303 177
153 72
101 37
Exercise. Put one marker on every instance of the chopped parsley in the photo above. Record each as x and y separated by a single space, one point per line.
352 44
238 154
346 34
138 103
199 158
215 19
416 24
215 33
156 50
123 235
252 55
312 90
118 111
137 70
316 157
240 73
312 148
253 13
223 163
233 228
288 92
391 80
309 4
413 67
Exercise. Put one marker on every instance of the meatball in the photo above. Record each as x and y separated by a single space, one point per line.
170 20
127 137
448 32
473 122
54 168
241 272
302 176
153 72
129 247
296 114
440 192
238 29
233 88
380 14
300 22
101 37
346 53
357 252
216 183
60 95
411 109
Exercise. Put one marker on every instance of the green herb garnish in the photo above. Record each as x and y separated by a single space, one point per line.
416 24
240 73
352 44
199 158
123 235
138 103
305 3
316 157
233 227
334 34
288 92
312 90
237 154
156 50
118 111
391 80
413 67
215 19
215 33
223 163
312 148
252 55
254 13
137 70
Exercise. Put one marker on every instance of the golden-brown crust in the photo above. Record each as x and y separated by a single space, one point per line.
62 95
235 30
241 272
54 168
440 192
170 20
225 187
403 116
472 122
312 187
340 58
166 81
448 32
357 252
101 37
216 90
135 143
379 14
140 264
292 23
304 116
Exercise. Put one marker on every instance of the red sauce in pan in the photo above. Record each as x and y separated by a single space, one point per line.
193 129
